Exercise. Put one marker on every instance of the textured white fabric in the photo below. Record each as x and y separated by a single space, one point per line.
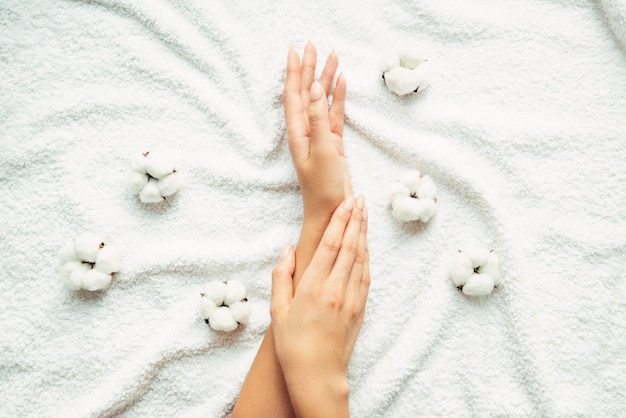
521 129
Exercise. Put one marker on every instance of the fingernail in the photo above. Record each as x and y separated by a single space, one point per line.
365 214
316 91
348 204
285 252
360 201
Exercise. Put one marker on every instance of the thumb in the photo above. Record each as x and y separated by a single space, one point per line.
318 113
282 282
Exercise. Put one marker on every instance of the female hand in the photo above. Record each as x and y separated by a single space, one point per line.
315 132
315 330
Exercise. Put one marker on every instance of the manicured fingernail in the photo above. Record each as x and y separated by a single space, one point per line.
348 204
365 214
316 91
285 252
360 201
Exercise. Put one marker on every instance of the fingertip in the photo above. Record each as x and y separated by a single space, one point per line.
348 204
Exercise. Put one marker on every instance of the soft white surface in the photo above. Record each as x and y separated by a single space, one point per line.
522 130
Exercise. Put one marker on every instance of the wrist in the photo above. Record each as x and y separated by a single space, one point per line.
323 396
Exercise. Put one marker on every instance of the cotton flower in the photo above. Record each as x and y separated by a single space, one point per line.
413 197
224 305
88 263
475 271
152 176
405 69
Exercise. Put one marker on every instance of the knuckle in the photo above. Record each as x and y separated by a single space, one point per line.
332 243
351 248
336 302
361 257
315 117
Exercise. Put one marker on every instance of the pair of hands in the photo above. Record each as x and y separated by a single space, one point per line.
315 328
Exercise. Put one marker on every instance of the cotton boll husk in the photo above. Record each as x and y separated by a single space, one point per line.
397 189
138 163
96 280
169 184
410 53
402 81
151 193
492 268
411 180
216 291
206 307
72 273
478 285
222 320
109 259
235 292
389 61
159 166
460 269
426 188
241 311
66 253
87 245
136 181
478 255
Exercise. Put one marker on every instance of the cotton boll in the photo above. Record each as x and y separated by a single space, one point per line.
460 269
96 280
66 253
478 285
108 259
159 166
216 291
426 188
206 307
235 292
478 255
151 193
411 180
138 162
136 181
169 184
492 268
222 320
426 209
405 209
87 245
241 311
389 61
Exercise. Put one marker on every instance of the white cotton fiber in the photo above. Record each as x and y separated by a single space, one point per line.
388 61
169 184
410 53
138 162
87 245
136 181
426 188
478 255
206 307
397 189
151 193
94 280
241 311
478 285
109 259
66 253
157 165
222 320
460 269
492 268
235 292
411 180
216 291
72 273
